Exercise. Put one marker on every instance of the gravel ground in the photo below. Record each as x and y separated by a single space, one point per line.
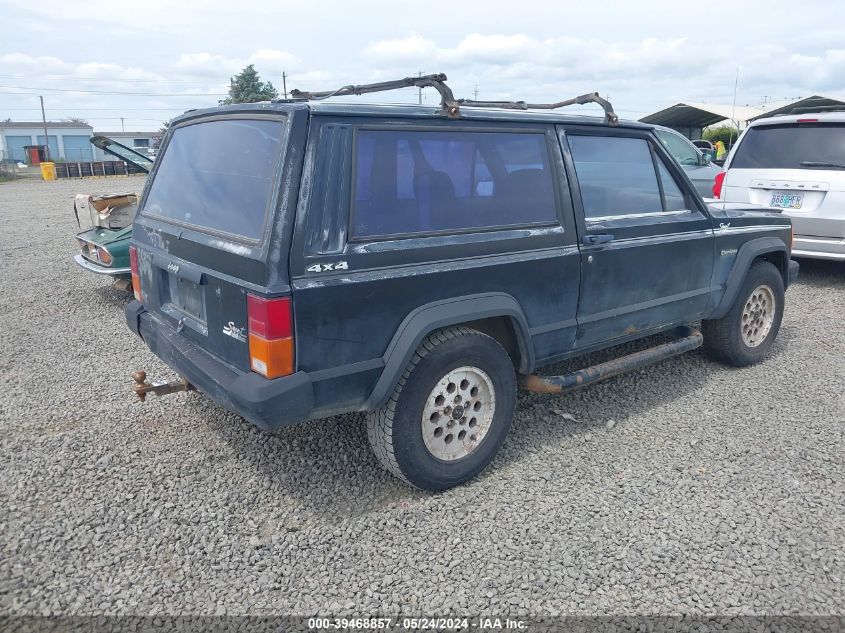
686 487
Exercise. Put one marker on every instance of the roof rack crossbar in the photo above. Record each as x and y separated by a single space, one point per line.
592 97
451 106
436 81
811 108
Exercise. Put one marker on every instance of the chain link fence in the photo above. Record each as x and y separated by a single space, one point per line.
75 164
8 167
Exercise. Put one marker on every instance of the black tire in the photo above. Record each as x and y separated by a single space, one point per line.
396 430
723 338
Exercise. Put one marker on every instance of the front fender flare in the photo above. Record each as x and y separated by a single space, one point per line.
438 314
748 252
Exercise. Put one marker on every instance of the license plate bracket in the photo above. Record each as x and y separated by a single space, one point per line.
186 297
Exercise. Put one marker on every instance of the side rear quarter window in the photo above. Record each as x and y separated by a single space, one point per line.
430 181
672 194
617 177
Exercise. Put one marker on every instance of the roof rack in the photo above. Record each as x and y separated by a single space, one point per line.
450 106
811 109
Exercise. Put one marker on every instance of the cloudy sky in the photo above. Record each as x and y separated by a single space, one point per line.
148 60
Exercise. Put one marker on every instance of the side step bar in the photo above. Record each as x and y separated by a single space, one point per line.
691 339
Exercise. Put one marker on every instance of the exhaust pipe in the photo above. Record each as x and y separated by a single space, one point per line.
142 387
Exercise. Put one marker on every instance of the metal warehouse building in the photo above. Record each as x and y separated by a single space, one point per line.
66 140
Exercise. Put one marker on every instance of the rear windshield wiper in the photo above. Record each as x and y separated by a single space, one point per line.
814 163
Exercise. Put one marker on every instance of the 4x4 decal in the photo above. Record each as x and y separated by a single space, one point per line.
324 268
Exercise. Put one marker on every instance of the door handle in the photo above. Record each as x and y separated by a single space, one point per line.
598 238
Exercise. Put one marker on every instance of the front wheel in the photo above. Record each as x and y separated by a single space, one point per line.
450 411
747 332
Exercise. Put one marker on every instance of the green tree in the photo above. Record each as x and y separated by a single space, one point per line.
724 133
247 87
162 131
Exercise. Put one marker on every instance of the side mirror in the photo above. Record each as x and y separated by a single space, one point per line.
705 158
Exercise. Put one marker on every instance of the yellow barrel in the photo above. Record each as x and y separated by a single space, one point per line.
48 171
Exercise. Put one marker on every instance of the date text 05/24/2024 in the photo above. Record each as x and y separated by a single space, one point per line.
417 624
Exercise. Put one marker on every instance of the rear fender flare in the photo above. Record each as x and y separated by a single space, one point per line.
748 252
433 316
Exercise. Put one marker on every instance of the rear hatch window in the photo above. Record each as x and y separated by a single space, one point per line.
218 176
792 146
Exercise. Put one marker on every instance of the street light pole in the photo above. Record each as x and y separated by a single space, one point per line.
46 137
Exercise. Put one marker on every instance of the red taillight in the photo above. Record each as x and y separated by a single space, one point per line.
136 276
808 120
717 184
269 318
270 335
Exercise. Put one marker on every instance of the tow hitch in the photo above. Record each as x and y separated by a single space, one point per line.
142 387
690 339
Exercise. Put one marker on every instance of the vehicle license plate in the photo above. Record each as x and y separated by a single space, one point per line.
786 200
187 297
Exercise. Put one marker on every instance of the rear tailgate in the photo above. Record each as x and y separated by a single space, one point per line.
798 167
204 225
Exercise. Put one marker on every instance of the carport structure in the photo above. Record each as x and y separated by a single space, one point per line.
690 118
814 103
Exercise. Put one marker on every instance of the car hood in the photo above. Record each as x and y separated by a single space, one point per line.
144 163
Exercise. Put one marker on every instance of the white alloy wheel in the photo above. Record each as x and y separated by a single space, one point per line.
758 314
458 413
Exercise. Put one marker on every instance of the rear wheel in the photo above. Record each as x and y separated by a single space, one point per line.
450 411
746 333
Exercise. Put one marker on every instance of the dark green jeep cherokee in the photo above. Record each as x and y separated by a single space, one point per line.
298 259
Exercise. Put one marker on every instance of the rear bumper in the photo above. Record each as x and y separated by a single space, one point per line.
268 404
818 247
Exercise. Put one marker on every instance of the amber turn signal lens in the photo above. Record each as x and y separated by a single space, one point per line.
136 276
104 256
271 358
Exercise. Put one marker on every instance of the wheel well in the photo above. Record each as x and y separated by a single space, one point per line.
500 328
780 261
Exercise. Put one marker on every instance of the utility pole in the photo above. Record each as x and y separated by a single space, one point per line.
122 129
475 92
284 85
46 137
419 90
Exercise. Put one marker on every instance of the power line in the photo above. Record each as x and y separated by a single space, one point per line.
105 118
104 80
74 109
114 92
